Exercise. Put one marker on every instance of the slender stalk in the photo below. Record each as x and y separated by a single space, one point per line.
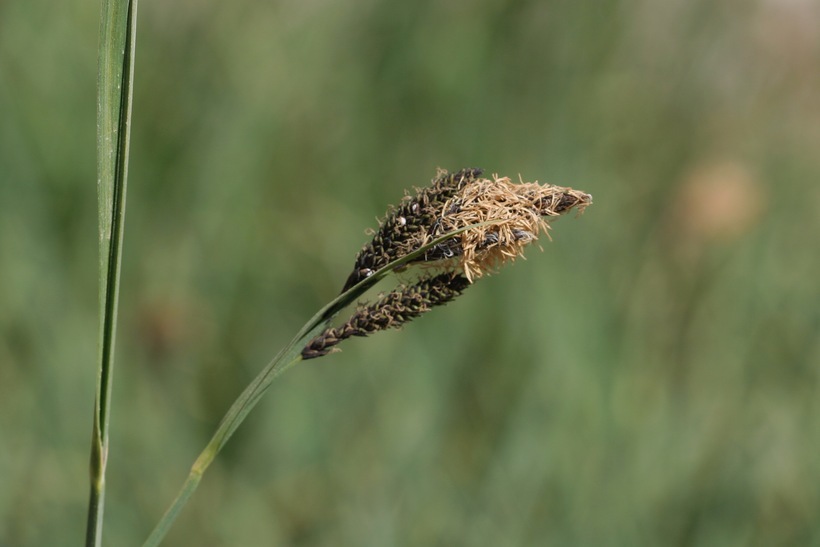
114 98
287 357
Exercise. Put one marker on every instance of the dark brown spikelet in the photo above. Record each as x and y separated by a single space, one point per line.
390 311
410 225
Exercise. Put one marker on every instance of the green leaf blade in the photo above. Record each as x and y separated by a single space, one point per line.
114 98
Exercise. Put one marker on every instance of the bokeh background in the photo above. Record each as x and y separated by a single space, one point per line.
651 378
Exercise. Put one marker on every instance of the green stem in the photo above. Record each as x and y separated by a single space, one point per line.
241 407
288 357
114 98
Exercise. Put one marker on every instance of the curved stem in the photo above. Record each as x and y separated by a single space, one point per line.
232 419
287 357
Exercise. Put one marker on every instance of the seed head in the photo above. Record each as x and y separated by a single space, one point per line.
498 219
513 216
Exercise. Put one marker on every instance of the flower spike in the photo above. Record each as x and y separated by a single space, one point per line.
497 219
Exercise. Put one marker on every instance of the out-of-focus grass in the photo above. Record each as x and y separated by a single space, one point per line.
651 378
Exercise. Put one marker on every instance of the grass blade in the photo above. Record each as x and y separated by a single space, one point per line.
114 97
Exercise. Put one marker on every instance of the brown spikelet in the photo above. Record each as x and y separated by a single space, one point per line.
408 226
514 216
390 311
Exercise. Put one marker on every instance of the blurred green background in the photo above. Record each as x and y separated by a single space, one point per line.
652 378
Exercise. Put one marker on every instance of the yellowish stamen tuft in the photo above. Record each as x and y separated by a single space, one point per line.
516 213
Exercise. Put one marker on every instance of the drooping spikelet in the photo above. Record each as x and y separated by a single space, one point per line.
390 311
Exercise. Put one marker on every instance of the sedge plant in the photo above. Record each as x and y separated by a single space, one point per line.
453 232
457 230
